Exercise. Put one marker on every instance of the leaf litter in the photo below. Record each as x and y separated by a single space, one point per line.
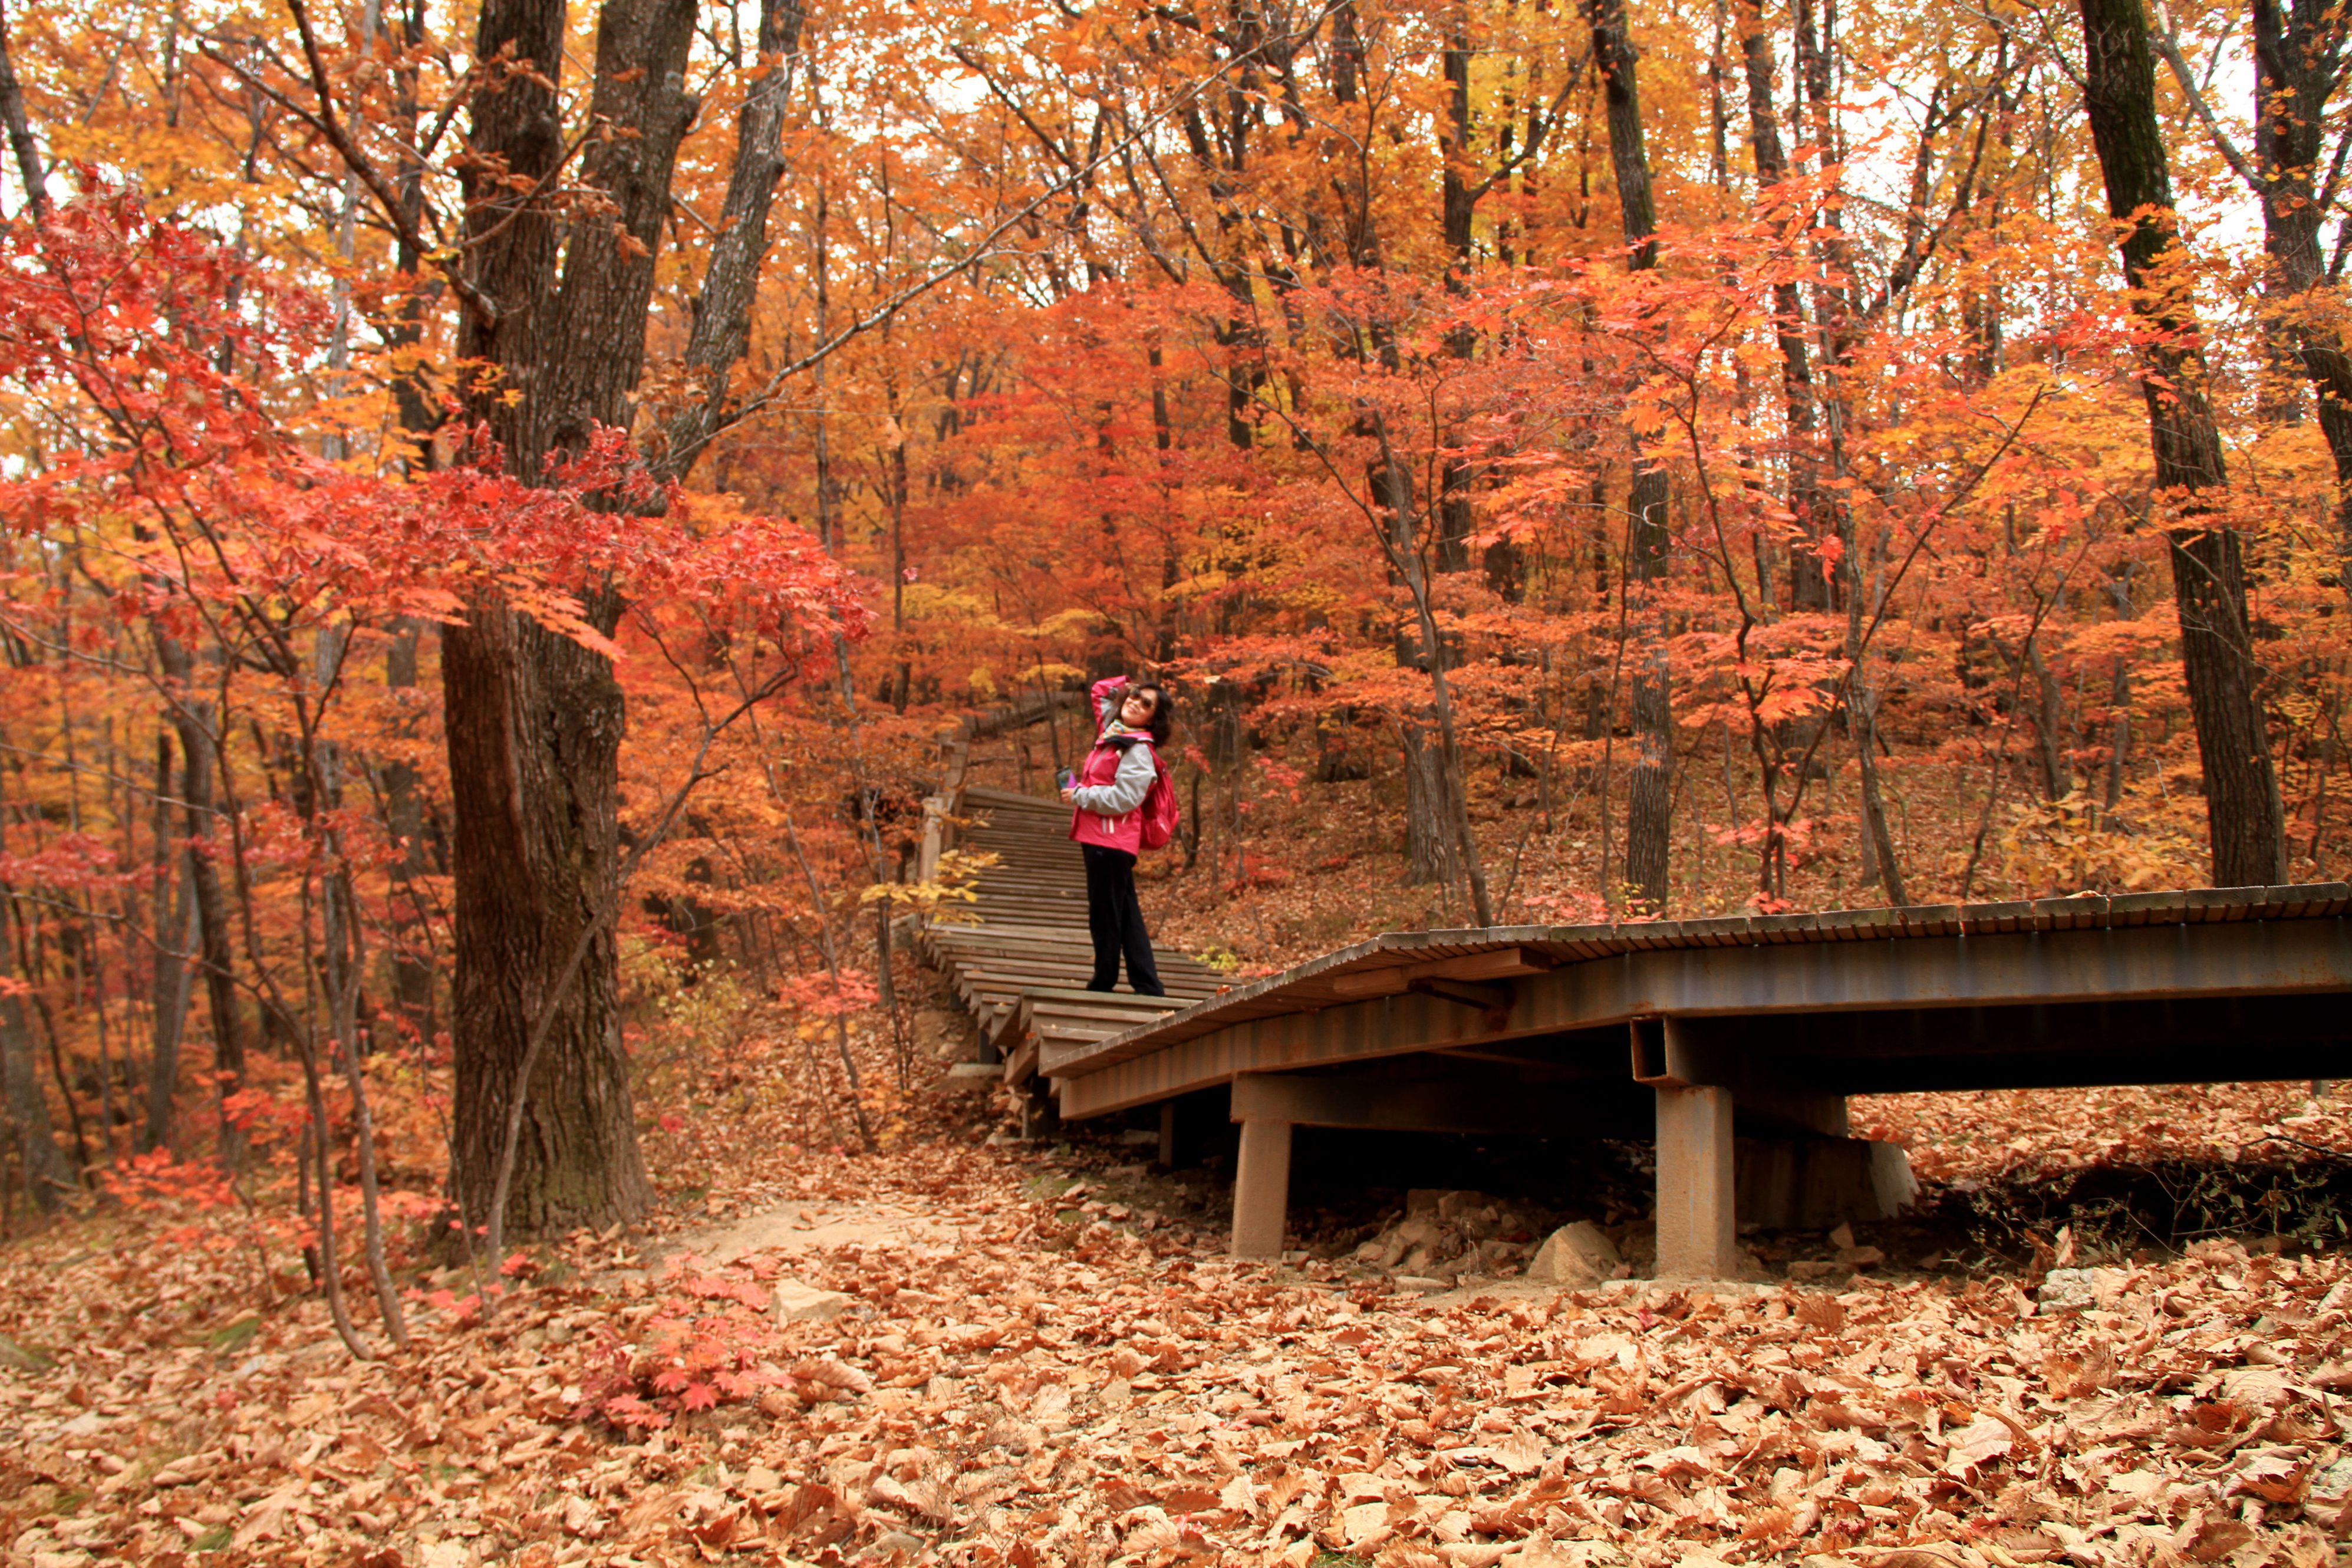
1072 1378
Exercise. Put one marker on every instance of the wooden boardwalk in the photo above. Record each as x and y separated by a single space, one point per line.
1019 957
1735 1042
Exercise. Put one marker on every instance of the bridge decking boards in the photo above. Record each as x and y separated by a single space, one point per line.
1018 956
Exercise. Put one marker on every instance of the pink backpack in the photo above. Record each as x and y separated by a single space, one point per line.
1159 806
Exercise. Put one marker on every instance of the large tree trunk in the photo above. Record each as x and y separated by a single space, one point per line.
536 852
534 721
2244 820
1649 790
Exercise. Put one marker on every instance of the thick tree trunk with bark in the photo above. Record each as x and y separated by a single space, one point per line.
1650 789
533 720
536 851
2244 820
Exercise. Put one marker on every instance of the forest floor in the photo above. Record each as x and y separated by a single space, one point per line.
1039 1354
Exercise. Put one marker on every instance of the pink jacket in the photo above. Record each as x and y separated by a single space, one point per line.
1112 782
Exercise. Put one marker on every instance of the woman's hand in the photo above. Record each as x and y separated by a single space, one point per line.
1069 796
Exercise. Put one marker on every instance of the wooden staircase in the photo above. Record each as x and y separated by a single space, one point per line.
1019 958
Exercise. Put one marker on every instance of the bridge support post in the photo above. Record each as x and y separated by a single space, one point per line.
1697 1219
1261 1187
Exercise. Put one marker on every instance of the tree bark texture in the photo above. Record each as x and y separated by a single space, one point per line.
1649 805
2245 822
20 130
49 1175
722 311
2299 51
176 934
1458 214
1429 852
1807 583
533 720
412 966
193 721
537 853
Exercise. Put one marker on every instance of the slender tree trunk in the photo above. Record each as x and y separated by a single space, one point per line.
722 331
1649 805
1458 206
1807 583
2299 51
1440 844
2245 821
2119 725
192 720
48 1174
344 971
176 937
1885 865
1429 841
404 806
2049 720
21 145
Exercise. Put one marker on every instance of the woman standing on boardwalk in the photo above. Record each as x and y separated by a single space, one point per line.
1108 791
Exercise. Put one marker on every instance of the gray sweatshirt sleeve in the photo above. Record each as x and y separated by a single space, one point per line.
1126 790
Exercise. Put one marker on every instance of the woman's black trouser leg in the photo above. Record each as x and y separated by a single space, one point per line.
1102 913
1114 920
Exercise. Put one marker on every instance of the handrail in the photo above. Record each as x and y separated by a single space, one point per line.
955 745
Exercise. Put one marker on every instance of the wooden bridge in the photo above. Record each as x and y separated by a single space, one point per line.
1693 1030
1733 1042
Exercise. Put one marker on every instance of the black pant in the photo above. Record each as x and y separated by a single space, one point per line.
1115 920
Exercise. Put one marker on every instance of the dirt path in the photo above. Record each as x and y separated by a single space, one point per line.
813 1226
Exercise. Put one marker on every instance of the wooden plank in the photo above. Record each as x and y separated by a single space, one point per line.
1465 1103
1021 1063
1112 1018
1180 987
1075 956
1496 963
